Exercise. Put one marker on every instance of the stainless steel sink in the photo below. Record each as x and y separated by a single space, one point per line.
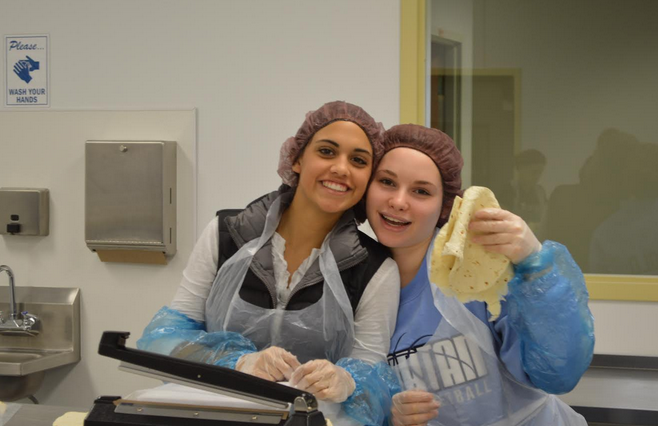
24 359
9 358
18 387
22 363
17 384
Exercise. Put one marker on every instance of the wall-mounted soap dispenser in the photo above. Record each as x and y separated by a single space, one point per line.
130 200
24 211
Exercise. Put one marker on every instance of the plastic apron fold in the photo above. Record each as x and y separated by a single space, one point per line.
324 330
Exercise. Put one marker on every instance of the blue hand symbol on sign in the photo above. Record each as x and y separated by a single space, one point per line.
34 65
23 67
22 71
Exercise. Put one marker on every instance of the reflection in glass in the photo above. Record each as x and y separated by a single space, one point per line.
577 210
626 242
553 104
445 87
524 195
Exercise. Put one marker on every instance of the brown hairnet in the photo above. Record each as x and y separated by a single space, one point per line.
316 120
440 148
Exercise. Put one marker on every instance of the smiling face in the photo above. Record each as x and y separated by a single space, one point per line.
334 169
404 199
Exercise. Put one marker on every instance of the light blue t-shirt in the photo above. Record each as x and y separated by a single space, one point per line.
418 319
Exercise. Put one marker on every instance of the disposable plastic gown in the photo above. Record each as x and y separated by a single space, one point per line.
547 307
553 335
370 402
173 333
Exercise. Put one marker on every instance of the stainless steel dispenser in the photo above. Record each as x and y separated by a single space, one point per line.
130 200
24 211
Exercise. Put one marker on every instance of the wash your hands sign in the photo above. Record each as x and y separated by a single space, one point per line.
26 71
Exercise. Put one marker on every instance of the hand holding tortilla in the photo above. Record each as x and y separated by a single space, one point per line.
501 231
473 252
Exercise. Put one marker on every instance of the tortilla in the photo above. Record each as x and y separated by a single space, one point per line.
464 269
72 418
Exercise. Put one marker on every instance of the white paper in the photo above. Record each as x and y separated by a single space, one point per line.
173 393
178 394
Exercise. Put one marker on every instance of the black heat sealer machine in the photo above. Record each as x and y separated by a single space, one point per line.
283 405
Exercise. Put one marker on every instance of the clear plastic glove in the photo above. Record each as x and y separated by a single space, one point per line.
501 231
413 407
325 380
274 364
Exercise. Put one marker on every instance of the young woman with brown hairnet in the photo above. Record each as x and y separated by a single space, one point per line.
456 364
288 288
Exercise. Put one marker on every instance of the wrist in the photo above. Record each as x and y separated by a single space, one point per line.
243 362
535 262
352 384
349 380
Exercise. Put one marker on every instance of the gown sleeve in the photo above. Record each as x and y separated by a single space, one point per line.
547 310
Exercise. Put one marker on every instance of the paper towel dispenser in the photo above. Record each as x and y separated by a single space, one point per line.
130 200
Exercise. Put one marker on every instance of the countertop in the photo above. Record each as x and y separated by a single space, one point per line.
38 415
44 415
616 388
606 393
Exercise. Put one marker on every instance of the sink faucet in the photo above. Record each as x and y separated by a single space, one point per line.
29 324
13 314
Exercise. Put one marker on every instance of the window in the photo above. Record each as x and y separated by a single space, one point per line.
553 107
